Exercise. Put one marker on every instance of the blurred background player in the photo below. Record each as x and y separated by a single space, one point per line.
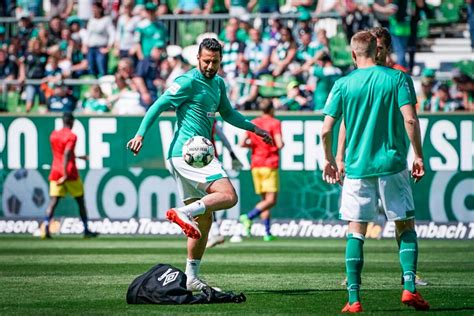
376 162
264 165
64 177
197 96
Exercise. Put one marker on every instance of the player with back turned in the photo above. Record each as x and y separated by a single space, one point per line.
376 105
197 96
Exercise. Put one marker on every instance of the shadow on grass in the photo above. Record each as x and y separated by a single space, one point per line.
293 292
441 309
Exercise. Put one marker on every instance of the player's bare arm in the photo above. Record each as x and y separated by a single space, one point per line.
412 127
330 173
341 150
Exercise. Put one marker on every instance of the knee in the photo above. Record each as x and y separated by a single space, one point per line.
231 199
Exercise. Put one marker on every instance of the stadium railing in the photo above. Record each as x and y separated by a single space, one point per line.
205 22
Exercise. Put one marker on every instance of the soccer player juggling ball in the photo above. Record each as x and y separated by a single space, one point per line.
375 103
197 96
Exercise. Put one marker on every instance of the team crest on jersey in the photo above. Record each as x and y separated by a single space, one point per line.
174 87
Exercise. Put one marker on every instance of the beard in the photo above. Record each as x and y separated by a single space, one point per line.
209 74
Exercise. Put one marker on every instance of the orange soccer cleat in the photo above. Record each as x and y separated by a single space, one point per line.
354 308
185 221
415 300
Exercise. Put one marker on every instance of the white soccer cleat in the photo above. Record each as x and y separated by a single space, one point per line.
197 285
185 221
214 241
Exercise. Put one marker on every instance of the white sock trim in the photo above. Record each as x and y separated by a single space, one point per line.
194 209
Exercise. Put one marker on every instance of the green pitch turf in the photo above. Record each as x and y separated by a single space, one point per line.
69 275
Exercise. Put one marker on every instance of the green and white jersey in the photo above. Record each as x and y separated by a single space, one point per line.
369 99
149 33
196 100
239 3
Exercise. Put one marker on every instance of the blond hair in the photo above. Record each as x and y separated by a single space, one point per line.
364 44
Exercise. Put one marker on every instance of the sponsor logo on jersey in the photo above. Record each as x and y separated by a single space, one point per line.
211 114
174 88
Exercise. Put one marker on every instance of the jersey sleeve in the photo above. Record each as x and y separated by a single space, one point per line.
276 128
333 105
404 96
230 115
174 96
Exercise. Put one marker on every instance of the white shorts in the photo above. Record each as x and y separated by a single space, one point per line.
193 182
360 198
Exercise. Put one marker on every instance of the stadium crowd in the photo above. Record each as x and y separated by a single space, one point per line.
125 45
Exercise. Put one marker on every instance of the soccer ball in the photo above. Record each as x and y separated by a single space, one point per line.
198 151
25 194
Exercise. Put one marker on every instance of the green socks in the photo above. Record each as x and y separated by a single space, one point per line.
409 258
354 264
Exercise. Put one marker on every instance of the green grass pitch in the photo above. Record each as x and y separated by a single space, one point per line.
72 276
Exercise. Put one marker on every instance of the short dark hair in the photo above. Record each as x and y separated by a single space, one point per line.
266 105
383 34
210 44
68 119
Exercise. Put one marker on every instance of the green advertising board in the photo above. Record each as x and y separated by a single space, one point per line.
119 185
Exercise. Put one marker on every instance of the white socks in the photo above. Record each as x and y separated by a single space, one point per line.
192 268
194 209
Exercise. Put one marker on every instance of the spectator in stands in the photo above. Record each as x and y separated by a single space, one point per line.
400 30
32 66
125 97
26 31
188 7
304 23
84 9
470 20
8 68
95 101
4 42
215 6
426 94
304 5
268 6
162 7
383 9
100 39
232 51
465 84
295 100
327 7
61 8
79 64
149 31
257 53
242 34
442 102
271 33
61 100
326 74
284 54
245 92
306 53
147 74
126 26
244 28
175 64
29 7
240 7
52 35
